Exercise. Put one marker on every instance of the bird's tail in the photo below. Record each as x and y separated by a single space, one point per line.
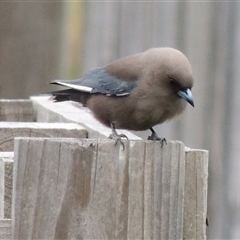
70 95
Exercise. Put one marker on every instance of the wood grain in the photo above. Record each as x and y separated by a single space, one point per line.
6 178
20 110
48 111
91 189
5 229
196 185
10 130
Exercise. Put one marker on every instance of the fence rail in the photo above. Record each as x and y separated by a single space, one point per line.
73 187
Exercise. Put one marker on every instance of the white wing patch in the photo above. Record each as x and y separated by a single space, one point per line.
74 86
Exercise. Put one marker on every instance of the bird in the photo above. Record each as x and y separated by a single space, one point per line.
136 92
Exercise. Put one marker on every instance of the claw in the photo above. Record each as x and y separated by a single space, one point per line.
117 137
154 137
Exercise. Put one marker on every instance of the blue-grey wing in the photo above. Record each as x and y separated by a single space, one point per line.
99 81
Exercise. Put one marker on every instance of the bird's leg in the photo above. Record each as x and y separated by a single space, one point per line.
155 137
117 137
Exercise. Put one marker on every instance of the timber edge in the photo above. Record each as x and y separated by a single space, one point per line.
173 178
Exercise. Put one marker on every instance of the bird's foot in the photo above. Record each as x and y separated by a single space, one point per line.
118 138
154 137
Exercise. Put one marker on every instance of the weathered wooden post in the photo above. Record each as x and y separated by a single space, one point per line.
91 189
66 186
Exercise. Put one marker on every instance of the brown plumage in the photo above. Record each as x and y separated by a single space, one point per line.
136 92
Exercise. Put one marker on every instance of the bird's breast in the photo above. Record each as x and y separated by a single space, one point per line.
134 113
153 111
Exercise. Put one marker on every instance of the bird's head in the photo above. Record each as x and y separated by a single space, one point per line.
179 74
172 71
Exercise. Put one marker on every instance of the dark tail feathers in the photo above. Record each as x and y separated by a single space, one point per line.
70 95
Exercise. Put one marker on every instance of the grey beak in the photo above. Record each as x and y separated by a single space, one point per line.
186 95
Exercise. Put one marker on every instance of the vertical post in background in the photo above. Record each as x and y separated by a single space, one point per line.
30 46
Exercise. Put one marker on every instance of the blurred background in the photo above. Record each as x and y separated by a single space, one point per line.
45 40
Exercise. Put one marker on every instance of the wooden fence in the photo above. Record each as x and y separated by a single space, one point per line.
46 40
68 186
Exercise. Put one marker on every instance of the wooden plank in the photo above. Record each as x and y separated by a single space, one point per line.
6 176
20 110
51 191
26 197
25 188
196 183
150 190
135 219
5 229
10 130
48 111
164 190
105 207
122 197
91 189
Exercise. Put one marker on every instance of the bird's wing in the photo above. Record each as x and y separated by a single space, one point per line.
99 81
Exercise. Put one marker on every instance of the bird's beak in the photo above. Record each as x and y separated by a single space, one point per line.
186 95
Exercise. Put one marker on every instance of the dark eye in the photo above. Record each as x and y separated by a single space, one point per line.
174 83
